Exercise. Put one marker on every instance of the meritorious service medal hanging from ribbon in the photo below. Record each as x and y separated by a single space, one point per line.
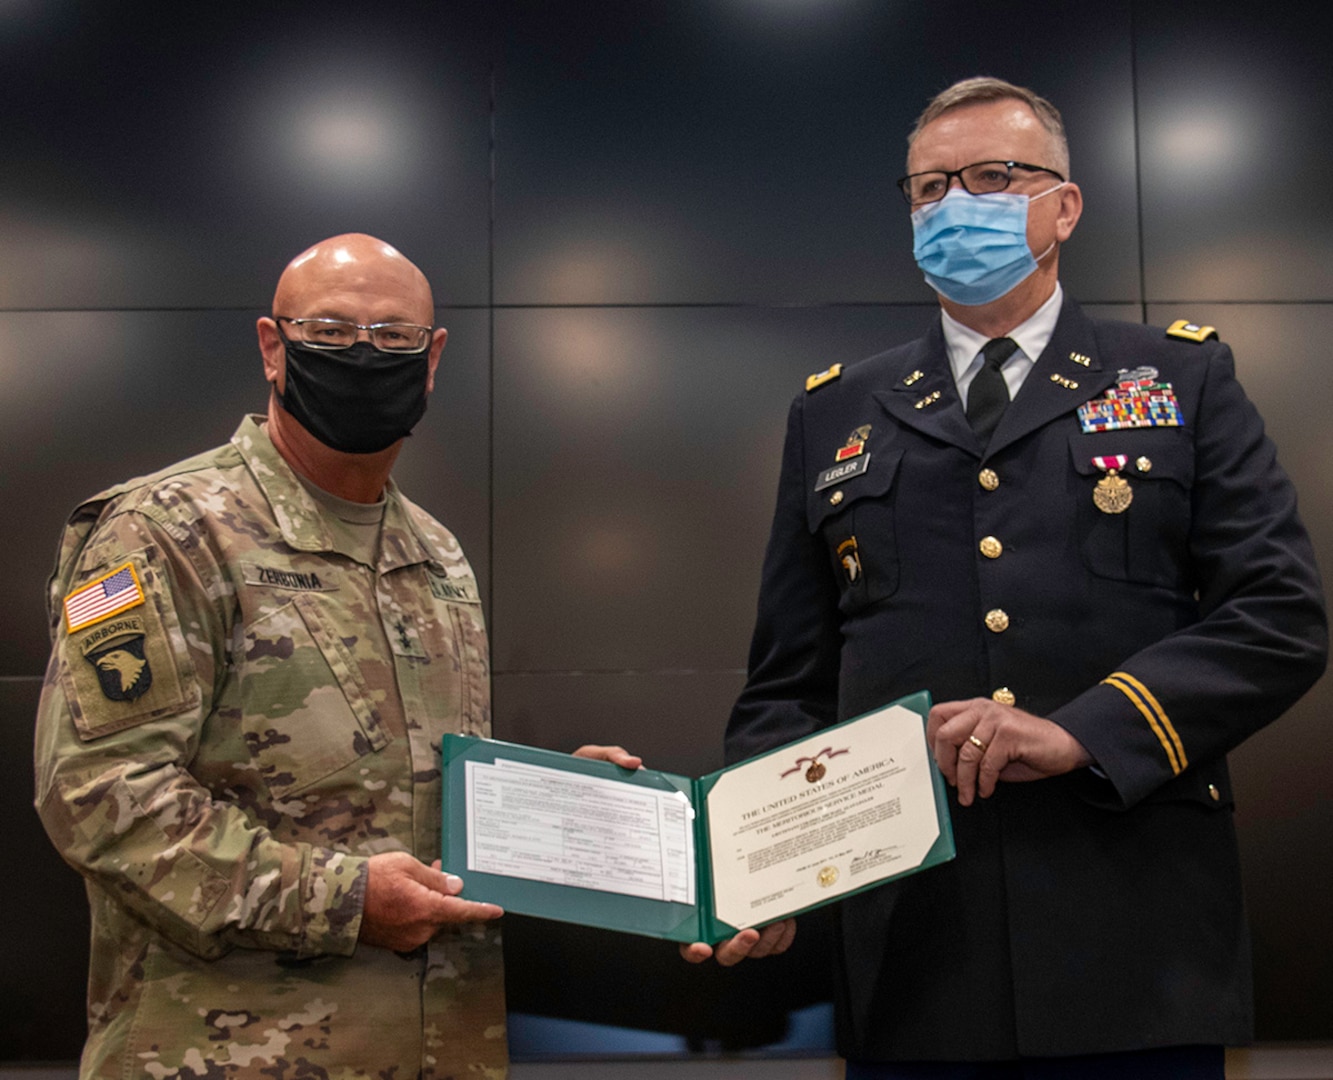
1112 495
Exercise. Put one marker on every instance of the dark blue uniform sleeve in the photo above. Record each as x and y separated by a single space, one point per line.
1262 636
792 688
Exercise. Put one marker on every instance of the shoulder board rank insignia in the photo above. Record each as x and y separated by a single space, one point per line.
1183 328
814 382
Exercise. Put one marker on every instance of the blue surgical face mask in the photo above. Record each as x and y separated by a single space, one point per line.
973 249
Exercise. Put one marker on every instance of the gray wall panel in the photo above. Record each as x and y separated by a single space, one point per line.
43 910
673 720
161 156
636 460
1236 115
745 151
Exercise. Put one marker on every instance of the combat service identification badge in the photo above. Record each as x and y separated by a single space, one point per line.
849 556
1112 495
855 445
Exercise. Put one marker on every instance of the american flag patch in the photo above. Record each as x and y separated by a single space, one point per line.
108 595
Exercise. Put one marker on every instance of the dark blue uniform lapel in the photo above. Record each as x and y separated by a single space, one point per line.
1067 373
929 404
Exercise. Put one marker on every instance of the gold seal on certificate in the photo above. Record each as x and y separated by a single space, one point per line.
782 842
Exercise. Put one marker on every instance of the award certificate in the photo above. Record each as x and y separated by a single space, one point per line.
649 852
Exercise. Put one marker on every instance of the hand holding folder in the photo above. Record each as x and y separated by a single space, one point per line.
649 852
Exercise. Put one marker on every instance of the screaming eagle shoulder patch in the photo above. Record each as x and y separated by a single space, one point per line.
117 655
125 659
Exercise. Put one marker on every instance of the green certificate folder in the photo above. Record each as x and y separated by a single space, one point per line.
648 852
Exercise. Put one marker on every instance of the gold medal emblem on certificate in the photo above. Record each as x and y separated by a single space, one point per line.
828 876
815 769
1112 495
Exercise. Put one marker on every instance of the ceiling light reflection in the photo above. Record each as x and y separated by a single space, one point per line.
339 143
1207 145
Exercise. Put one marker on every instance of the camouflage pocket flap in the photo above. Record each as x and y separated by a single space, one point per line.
305 708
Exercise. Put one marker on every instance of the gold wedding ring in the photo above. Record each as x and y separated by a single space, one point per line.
977 743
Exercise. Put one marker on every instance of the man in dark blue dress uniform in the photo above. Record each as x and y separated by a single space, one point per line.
1076 535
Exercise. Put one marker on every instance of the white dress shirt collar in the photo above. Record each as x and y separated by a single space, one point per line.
963 345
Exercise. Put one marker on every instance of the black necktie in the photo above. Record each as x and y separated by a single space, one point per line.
988 396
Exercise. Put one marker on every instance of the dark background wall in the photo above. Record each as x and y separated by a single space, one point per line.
646 222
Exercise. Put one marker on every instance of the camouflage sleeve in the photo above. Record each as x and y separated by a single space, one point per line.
141 624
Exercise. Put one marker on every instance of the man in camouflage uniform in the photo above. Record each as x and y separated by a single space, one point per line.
256 652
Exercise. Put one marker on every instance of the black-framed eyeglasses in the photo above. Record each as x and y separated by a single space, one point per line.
340 334
982 178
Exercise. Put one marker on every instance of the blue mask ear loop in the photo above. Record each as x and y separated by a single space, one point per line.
1034 198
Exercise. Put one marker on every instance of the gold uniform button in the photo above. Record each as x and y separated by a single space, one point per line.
990 547
835 498
997 622
1144 464
1004 696
988 479
1212 790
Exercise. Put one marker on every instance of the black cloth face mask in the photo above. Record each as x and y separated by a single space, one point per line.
360 399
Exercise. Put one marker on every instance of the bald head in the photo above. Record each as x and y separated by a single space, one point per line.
329 428
355 277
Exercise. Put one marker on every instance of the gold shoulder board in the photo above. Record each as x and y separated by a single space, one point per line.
817 380
1183 328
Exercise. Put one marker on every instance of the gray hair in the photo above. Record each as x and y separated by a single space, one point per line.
983 88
